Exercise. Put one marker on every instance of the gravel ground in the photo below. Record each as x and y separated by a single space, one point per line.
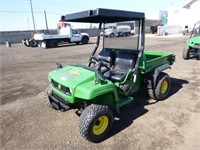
27 122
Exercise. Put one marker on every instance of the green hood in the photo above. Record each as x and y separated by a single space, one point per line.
71 76
81 83
193 41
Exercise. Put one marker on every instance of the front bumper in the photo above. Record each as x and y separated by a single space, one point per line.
58 100
197 47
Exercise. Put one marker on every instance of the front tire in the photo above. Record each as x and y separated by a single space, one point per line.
111 35
48 102
162 87
85 40
186 54
198 54
47 91
95 122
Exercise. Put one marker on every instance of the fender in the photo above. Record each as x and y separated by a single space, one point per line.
152 77
83 36
158 70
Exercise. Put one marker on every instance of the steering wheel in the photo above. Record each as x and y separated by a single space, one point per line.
94 61
99 62
95 58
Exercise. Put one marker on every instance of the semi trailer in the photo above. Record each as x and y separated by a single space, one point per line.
116 31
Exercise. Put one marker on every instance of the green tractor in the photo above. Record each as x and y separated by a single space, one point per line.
115 72
193 44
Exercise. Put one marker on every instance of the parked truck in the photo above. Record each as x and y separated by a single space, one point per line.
65 34
114 74
116 31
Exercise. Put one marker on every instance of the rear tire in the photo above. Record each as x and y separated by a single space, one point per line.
33 43
186 54
124 34
162 87
95 122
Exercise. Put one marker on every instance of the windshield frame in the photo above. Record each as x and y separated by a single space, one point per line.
196 30
140 41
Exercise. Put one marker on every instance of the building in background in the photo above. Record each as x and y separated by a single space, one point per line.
185 16
176 20
179 18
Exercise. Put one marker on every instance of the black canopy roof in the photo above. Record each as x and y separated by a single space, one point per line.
103 15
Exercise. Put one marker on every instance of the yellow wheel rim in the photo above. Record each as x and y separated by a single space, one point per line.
100 125
164 87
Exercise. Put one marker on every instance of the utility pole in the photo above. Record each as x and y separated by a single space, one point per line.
32 15
46 20
28 24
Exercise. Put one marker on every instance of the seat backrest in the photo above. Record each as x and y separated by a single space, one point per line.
124 61
107 56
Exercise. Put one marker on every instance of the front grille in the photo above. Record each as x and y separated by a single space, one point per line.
59 98
60 87
54 83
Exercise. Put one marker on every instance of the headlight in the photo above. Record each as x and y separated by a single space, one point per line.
190 42
70 90
49 78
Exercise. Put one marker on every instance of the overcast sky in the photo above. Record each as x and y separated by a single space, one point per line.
16 14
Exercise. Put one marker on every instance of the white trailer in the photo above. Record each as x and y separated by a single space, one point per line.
66 34
122 30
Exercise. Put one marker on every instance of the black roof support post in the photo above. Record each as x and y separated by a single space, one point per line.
97 43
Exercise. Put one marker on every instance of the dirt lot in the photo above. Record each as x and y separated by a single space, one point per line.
27 123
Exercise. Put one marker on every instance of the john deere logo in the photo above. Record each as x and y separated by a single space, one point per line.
59 86
74 72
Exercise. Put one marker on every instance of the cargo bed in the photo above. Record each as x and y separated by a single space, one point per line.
152 60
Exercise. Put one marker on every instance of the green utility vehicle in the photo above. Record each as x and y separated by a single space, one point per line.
193 44
115 72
